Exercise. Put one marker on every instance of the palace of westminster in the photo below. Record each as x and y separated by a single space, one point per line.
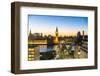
37 39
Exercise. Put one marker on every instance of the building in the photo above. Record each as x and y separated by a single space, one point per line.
56 39
84 45
83 34
33 54
37 41
34 42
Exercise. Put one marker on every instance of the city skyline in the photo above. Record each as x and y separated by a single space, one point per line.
67 25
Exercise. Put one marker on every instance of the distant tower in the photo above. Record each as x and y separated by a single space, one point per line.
83 34
56 32
30 32
56 36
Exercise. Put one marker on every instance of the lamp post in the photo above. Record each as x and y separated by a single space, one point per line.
79 54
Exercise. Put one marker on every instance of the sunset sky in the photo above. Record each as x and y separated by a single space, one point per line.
67 25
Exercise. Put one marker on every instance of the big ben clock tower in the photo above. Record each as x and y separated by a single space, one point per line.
56 36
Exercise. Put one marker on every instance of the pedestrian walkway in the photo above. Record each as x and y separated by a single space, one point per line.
80 53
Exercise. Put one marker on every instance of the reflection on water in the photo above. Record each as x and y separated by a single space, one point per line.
46 48
46 51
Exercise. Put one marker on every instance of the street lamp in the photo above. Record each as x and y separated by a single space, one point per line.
79 53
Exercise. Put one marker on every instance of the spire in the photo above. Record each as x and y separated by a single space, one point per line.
83 34
83 31
56 29
30 32
56 35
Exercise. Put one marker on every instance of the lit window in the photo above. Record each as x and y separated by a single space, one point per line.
32 52
30 49
29 59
